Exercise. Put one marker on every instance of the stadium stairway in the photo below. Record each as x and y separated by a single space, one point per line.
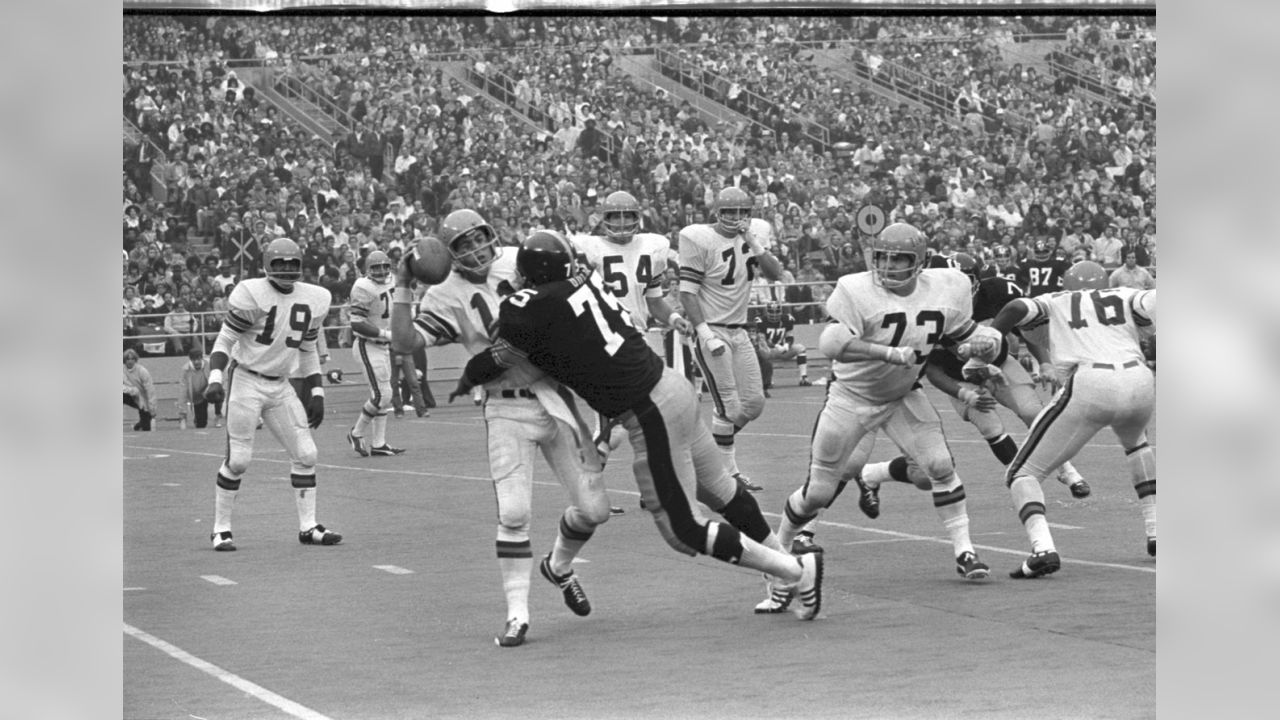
644 70
289 96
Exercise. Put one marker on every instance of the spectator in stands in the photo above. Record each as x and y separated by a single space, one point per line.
180 324
1107 248
139 390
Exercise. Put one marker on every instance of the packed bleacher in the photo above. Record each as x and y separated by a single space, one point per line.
552 124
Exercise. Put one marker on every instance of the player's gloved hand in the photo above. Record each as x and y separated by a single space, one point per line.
1049 376
1028 362
404 276
214 393
463 388
715 346
315 409
900 355
977 398
978 372
581 275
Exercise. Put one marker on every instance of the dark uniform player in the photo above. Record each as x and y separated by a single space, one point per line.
976 403
1005 264
778 329
567 324
1043 272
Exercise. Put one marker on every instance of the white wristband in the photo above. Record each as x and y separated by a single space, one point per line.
888 352
317 392
671 319
215 376
384 334
704 332
402 295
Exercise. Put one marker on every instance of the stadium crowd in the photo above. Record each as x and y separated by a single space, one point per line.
233 171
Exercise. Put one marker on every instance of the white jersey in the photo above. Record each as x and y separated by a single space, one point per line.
720 271
632 271
460 311
1093 326
371 301
273 327
941 306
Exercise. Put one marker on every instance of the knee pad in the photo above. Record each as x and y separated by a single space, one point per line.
306 459
515 520
937 467
750 410
238 460
584 519
1142 469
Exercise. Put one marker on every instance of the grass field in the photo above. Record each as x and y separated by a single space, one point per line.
398 621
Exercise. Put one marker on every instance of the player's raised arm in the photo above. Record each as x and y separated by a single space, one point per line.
404 339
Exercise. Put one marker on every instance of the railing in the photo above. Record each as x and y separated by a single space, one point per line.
938 95
291 86
749 103
1097 80
502 88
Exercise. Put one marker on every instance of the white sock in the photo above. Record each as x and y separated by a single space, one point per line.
380 430
515 584
873 474
224 503
786 568
728 452
305 499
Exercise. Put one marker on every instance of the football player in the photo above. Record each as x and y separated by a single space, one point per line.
370 309
976 402
778 329
632 265
572 327
1043 272
884 323
718 263
1095 332
1005 264
269 334
523 413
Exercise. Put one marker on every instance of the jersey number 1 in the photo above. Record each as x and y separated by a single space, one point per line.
1108 308
299 319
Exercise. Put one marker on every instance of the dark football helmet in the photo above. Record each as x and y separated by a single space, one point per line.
282 262
967 264
545 256
1004 257
1042 250
773 311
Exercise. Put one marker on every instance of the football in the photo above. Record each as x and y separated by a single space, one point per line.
431 261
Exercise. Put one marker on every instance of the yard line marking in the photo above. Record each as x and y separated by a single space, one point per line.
579 560
282 703
134 588
950 441
882 540
992 548
171 484
217 580
1060 526
330 466
393 569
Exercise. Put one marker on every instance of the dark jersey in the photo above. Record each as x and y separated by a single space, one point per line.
991 296
1044 276
582 337
781 332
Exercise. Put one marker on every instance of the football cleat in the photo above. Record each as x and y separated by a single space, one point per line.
319 536
809 590
477 395
513 634
385 450
803 543
1080 489
968 565
779 599
222 541
1045 562
768 394
574 597
746 483
868 498
217 422
357 443
1151 545
805 381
